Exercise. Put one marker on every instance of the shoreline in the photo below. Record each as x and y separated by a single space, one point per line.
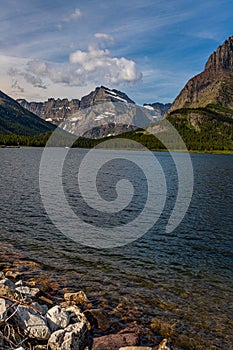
214 152
40 316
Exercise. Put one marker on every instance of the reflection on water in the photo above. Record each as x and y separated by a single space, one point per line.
183 278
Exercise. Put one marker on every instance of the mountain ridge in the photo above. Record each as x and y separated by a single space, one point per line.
56 110
14 119
101 113
212 86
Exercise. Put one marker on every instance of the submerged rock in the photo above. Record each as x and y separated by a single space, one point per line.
77 297
136 348
115 341
98 318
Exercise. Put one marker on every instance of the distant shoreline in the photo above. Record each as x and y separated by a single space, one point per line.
216 152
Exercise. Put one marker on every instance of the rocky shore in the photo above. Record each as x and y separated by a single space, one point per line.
35 318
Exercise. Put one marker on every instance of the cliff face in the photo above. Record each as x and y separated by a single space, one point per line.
214 85
222 58
52 110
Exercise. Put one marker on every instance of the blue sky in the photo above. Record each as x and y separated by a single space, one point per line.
148 49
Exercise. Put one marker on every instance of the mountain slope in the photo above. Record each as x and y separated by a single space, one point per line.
103 112
214 85
203 111
14 119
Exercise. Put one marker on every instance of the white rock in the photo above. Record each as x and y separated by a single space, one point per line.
27 291
72 337
57 318
4 306
33 324
2 275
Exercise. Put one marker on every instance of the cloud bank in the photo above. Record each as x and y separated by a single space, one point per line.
93 66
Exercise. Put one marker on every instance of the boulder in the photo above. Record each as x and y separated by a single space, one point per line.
43 309
31 323
4 307
115 341
72 337
98 319
57 318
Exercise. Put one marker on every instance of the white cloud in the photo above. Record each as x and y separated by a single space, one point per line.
104 37
93 66
97 65
73 16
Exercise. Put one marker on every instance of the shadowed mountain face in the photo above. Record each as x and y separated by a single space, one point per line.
214 85
14 119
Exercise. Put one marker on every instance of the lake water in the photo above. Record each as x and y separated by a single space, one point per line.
183 278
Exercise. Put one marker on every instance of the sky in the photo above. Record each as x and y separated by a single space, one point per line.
148 49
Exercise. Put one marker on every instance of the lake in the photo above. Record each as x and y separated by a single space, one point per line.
183 278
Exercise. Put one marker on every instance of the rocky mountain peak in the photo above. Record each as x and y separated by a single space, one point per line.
222 58
212 86
103 94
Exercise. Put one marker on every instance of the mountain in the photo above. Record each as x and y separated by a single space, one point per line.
103 112
14 119
103 94
212 86
203 110
106 112
54 111
158 107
